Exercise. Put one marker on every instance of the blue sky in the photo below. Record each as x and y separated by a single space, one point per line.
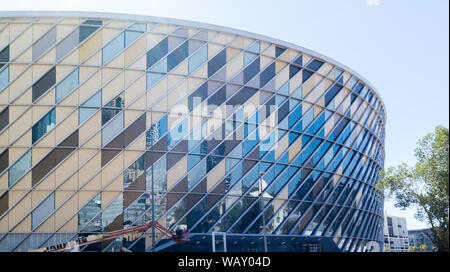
400 46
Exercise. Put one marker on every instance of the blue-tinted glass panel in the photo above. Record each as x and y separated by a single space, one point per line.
67 85
131 36
177 56
249 57
305 75
293 70
4 55
4 77
254 47
217 62
86 31
198 58
19 168
153 78
113 48
43 126
315 65
157 52
84 114
279 51
267 74
94 101
251 70
138 27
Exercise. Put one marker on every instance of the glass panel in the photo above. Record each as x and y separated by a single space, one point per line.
315 65
84 114
44 125
112 128
43 211
19 168
86 31
217 62
44 43
198 58
44 83
153 78
94 101
66 45
157 52
114 209
134 171
85 214
4 55
4 77
67 85
113 48
131 36
177 56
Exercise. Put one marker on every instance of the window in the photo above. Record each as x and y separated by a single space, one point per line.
254 47
67 85
315 65
249 57
4 118
4 56
112 108
112 128
134 171
251 70
279 51
157 52
113 48
4 77
198 58
66 45
19 168
87 213
42 211
88 108
43 126
217 62
86 31
177 56
152 79
293 70
267 74
44 83
44 43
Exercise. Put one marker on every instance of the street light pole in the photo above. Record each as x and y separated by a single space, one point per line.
261 203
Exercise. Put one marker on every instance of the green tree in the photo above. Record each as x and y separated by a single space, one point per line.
412 249
425 185
423 247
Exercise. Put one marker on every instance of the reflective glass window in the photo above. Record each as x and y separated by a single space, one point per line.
44 43
43 126
217 62
67 85
113 48
42 211
4 77
267 74
315 65
157 52
87 213
177 56
44 83
153 78
19 168
198 58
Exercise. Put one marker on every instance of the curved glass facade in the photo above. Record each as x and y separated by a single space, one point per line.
109 121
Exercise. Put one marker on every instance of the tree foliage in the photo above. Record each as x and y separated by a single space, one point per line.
425 185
